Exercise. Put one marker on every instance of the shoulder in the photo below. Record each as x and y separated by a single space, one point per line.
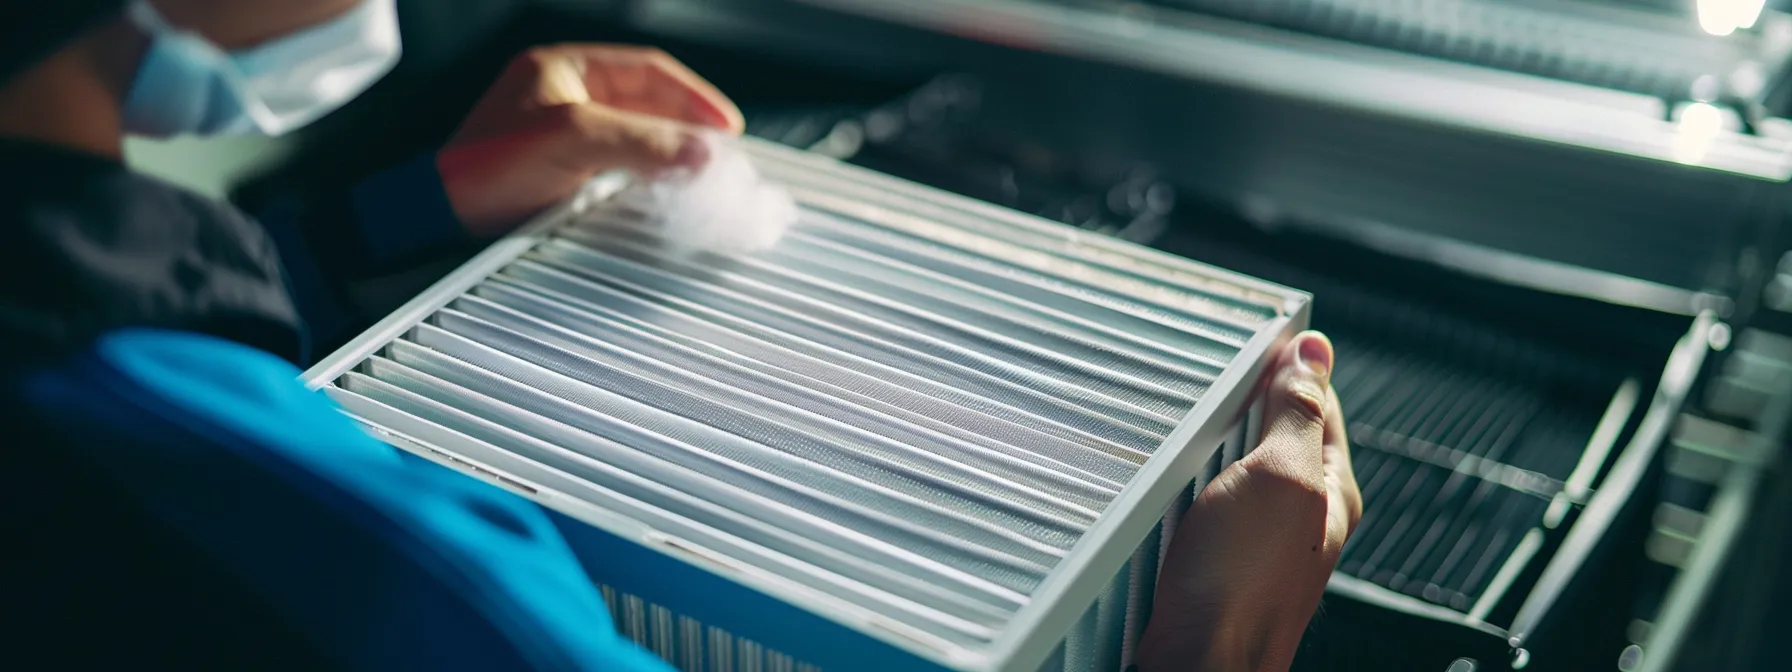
170 396
211 385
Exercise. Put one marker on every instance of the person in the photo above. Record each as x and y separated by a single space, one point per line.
174 498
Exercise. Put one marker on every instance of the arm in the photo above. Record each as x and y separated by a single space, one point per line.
378 560
393 217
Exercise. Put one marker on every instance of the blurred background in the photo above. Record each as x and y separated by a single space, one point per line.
1549 237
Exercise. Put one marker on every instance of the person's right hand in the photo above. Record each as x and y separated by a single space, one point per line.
1251 558
561 114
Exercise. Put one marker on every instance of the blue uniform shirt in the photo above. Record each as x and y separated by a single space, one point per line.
250 485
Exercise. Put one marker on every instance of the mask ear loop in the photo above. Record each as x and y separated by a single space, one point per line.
144 16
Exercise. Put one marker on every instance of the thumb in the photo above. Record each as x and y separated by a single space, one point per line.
606 138
1243 603
1295 405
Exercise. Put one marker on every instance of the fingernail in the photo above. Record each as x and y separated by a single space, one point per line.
692 153
1314 352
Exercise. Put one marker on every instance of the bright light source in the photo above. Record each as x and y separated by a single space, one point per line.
1748 12
1722 17
1714 17
1698 126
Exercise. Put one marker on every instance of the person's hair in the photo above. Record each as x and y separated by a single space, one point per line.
31 30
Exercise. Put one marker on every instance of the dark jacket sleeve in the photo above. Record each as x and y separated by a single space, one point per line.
394 217
381 560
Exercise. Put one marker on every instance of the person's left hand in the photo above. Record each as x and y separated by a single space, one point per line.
561 114
1252 556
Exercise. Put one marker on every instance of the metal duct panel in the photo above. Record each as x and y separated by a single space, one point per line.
1612 46
935 422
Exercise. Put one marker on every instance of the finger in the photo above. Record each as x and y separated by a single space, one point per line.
532 83
606 138
1294 412
1339 471
703 103
563 81
652 82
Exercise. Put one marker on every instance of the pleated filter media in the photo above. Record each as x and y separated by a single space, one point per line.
921 432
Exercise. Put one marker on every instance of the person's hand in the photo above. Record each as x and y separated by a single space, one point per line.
561 114
1250 561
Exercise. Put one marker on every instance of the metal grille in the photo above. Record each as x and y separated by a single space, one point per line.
1436 450
917 419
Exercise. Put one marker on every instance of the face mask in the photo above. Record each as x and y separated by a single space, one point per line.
186 84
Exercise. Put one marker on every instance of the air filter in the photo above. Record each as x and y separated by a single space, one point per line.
921 433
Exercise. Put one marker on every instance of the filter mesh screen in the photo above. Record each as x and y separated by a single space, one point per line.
918 418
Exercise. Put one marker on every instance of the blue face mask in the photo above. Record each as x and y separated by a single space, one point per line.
186 84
